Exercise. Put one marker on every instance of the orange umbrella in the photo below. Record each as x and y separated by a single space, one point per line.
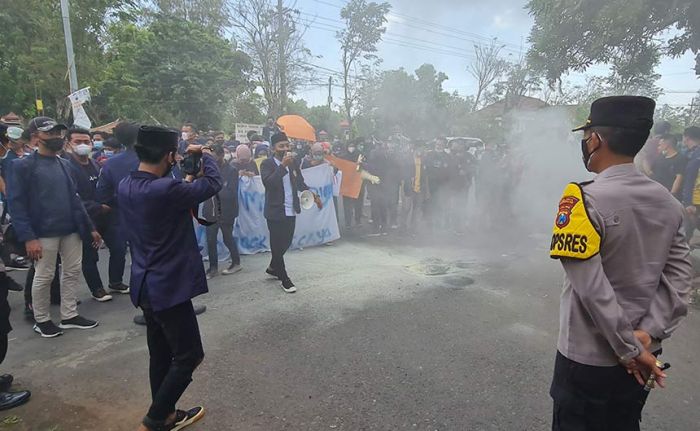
297 127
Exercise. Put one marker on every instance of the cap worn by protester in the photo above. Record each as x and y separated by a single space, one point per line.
243 152
278 137
157 137
44 124
625 112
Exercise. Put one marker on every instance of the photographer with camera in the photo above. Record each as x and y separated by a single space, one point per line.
167 269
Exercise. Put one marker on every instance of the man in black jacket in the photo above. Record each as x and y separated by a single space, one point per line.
85 172
282 179
222 210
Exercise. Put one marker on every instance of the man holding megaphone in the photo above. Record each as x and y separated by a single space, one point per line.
282 178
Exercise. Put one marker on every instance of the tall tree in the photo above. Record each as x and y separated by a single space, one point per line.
486 68
573 35
364 28
209 13
274 41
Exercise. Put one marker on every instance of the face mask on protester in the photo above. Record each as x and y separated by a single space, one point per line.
54 144
108 153
98 145
228 157
351 150
447 151
185 136
82 149
317 157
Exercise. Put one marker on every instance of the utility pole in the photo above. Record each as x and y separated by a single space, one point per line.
281 64
69 47
330 91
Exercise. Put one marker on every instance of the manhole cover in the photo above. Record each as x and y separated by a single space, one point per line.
459 281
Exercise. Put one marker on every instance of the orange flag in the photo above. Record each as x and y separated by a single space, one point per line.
352 180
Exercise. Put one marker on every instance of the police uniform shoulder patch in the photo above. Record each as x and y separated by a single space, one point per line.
574 235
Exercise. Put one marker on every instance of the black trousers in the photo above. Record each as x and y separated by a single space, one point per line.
229 242
116 243
354 207
90 271
281 235
5 326
588 398
175 348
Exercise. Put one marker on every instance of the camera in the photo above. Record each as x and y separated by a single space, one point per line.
191 163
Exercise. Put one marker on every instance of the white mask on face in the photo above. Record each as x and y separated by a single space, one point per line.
82 149
227 157
185 136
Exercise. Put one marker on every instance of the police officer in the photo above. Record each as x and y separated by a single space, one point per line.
166 269
620 241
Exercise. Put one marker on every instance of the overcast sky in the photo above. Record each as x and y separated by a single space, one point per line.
442 33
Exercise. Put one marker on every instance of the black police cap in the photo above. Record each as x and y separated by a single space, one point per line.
157 137
626 112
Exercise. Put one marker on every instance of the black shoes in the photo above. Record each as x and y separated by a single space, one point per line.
9 400
119 288
78 322
183 419
47 329
100 295
288 286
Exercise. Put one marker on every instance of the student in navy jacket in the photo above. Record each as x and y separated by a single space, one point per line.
116 169
166 269
282 179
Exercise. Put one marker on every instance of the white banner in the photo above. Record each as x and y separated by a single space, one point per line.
313 226
242 130
77 99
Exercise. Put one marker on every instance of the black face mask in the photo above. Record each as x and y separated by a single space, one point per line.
586 156
54 144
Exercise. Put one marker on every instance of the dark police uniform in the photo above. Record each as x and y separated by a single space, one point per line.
166 269
620 241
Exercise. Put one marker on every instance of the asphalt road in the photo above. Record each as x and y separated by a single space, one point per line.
368 343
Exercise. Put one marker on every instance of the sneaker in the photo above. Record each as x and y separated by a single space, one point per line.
101 296
288 286
139 319
234 268
19 263
185 418
78 322
47 329
119 288
213 272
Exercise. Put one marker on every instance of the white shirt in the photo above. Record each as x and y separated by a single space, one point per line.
288 198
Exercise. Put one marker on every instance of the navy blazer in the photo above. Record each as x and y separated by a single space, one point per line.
272 176
157 221
23 205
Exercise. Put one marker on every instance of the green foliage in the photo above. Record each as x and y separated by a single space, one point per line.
574 34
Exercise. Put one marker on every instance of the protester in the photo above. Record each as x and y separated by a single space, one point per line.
50 218
166 270
12 138
8 399
438 174
98 142
188 136
85 172
650 154
415 187
244 164
116 169
691 184
269 129
282 178
221 211
315 158
352 208
463 170
668 169
380 194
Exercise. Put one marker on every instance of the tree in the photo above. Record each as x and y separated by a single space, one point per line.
161 73
260 26
486 68
33 59
518 81
572 35
208 13
364 28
